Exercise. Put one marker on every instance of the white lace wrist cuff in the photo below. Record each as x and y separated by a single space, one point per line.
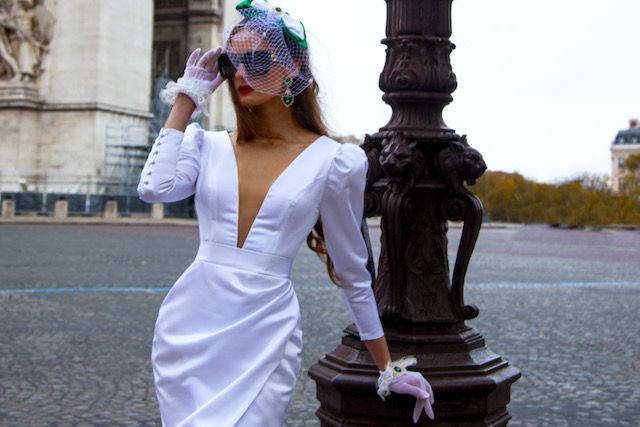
392 371
190 88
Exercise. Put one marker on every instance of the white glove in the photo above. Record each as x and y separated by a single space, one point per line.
199 81
396 378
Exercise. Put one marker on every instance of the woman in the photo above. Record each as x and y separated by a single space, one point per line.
227 344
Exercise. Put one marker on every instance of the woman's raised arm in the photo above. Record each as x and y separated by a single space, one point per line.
172 168
180 113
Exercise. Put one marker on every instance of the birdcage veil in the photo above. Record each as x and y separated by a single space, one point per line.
271 47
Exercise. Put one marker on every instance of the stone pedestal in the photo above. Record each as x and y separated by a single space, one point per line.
15 95
8 208
111 209
157 211
61 209
20 108
471 383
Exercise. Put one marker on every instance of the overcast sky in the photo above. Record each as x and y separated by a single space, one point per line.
543 85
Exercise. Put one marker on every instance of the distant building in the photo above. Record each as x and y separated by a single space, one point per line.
627 142
79 82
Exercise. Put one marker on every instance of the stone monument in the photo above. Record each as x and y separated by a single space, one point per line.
79 83
68 70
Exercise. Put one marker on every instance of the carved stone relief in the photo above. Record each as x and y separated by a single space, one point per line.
26 30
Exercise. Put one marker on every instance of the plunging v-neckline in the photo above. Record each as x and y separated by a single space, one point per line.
266 196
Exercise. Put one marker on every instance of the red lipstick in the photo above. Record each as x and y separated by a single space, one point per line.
244 89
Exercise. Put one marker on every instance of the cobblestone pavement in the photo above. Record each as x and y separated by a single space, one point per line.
560 305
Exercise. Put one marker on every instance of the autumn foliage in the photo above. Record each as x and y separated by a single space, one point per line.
584 200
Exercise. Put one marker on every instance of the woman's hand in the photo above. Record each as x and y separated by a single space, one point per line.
199 81
413 383
203 74
396 378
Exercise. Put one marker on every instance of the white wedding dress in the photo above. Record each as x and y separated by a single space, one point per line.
228 339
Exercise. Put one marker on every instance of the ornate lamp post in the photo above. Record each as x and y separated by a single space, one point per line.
417 172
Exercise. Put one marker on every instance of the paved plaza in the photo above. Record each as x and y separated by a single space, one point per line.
78 304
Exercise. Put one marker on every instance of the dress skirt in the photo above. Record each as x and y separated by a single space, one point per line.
227 344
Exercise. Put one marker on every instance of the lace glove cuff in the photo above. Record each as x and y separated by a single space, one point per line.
190 88
392 371
396 378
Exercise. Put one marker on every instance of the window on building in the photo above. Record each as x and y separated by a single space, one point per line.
634 140
620 140
621 162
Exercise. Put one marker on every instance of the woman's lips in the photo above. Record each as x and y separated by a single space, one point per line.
244 89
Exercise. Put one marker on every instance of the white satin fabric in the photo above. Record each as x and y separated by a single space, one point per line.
227 344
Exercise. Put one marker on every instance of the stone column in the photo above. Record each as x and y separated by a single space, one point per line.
416 182
180 27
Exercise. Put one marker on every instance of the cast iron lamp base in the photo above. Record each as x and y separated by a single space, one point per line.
471 384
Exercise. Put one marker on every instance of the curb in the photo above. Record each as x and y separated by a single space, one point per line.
175 222
143 221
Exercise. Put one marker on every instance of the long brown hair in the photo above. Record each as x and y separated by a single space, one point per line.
307 113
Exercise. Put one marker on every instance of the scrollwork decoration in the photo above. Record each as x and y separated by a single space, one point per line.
459 163
372 199
403 164
408 73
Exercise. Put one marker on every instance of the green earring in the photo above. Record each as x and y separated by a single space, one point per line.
287 98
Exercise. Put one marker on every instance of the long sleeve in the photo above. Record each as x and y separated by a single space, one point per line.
341 212
171 170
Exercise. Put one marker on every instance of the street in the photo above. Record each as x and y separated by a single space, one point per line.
78 305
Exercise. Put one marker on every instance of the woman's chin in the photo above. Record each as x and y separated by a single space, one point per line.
246 103
254 99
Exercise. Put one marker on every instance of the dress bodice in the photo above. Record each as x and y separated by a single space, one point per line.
326 180
289 209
